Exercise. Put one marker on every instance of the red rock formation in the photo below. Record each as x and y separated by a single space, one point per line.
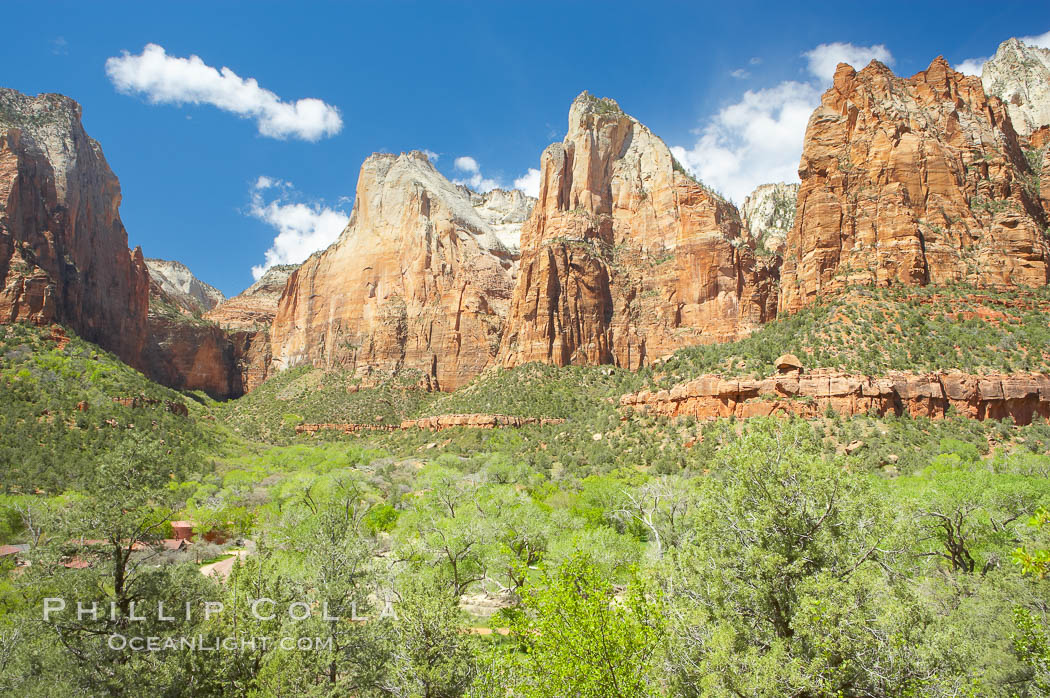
1020 396
911 181
251 350
418 280
625 258
255 307
63 250
435 423
186 352
192 355
474 421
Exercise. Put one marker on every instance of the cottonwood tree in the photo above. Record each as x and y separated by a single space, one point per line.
576 637
328 527
967 514
521 532
661 507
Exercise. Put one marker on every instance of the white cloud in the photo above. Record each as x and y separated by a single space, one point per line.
302 229
465 163
431 155
475 180
755 60
972 66
165 79
740 74
758 139
529 182
825 58
1041 40
755 141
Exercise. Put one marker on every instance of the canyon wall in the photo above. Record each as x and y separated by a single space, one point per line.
768 213
420 279
64 254
911 182
1019 75
256 306
625 257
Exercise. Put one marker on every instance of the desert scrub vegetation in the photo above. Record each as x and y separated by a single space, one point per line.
57 414
872 330
271 412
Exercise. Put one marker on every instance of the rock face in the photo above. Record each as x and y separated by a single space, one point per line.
256 306
911 182
1022 396
1019 75
247 318
504 211
626 258
768 214
186 352
420 279
182 287
435 423
63 250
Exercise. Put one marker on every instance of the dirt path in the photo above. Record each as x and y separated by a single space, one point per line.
221 569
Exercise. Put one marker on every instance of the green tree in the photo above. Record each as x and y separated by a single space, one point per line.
575 636
789 546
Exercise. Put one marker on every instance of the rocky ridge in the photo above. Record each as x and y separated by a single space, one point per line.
182 287
625 257
1019 75
504 211
911 182
435 423
768 213
1022 397
420 279
256 306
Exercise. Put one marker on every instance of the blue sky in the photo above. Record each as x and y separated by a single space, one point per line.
492 83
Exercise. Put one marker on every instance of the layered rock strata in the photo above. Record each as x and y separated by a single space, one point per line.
1019 75
911 182
625 257
768 214
435 423
255 307
64 254
419 280
1022 397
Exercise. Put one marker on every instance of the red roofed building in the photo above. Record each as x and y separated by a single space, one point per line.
183 530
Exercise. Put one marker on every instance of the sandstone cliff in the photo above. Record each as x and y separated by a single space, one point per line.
625 257
1019 75
63 250
768 214
1022 397
256 306
192 355
420 279
911 182
504 211
182 287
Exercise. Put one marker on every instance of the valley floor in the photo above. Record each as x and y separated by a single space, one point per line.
614 551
